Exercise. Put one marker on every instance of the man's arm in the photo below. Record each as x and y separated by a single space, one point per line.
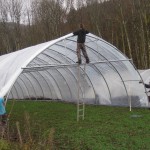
76 33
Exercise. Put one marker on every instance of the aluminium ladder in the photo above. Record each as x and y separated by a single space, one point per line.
80 102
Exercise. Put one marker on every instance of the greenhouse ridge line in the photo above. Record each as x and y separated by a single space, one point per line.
73 65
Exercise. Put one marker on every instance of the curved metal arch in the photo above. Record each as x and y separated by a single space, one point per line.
53 79
16 91
109 63
104 80
20 87
7 95
50 81
115 70
58 44
10 94
60 62
30 84
101 55
50 84
70 70
34 56
102 75
39 59
37 82
31 75
45 81
52 45
62 77
25 86
108 44
55 83
74 62
99 72
97 39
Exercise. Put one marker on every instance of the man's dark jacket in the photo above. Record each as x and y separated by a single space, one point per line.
81 33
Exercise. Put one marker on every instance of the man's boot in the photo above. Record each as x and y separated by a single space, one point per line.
87 60
79 62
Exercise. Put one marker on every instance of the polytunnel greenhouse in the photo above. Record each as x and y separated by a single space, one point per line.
49 71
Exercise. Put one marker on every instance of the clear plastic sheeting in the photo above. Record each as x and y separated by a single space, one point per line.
48 72
145 75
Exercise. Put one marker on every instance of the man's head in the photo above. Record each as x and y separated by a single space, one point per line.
81 26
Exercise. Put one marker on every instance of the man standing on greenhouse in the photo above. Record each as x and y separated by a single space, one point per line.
81 33
3 115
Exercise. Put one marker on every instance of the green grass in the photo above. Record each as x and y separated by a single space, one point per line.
53 125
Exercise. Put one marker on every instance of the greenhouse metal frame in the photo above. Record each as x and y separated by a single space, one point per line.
48 72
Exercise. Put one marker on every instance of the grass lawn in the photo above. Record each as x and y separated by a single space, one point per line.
53 125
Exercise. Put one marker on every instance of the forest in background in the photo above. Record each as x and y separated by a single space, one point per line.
123 23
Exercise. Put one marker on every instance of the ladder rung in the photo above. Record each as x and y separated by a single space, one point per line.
81 109
81 103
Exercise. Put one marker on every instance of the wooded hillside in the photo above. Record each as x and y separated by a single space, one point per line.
124 23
